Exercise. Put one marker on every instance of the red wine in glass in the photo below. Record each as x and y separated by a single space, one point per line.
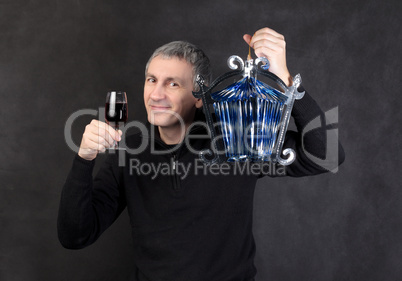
116 111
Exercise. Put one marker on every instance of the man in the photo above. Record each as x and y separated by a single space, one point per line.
187 224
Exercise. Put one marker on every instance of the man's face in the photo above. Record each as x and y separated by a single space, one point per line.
168 92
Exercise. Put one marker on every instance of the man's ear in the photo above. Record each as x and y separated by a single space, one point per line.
198 103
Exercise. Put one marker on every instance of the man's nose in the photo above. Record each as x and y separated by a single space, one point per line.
158 93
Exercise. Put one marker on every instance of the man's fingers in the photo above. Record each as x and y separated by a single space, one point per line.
94 146
103 127
266 34
270 44
100 136
95 140
268 31
267 47
267 40
247 38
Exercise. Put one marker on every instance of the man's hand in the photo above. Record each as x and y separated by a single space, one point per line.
98 136
270 44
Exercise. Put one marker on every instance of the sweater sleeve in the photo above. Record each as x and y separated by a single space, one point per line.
88 206
312 144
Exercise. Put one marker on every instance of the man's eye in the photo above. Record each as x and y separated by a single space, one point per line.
173 84
151 80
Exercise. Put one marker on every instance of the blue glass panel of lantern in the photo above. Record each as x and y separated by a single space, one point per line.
249 112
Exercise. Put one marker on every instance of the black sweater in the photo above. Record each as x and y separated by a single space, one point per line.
191 222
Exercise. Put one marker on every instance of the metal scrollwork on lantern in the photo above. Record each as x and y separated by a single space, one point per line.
248 119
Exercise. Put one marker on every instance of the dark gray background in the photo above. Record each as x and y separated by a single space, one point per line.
60 56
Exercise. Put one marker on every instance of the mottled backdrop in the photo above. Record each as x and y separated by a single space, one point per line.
57 57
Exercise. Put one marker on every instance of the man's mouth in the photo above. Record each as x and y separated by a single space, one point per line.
159 107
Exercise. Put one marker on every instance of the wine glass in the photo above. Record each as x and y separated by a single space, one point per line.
116 111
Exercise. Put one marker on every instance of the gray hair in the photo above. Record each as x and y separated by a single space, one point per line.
191 54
